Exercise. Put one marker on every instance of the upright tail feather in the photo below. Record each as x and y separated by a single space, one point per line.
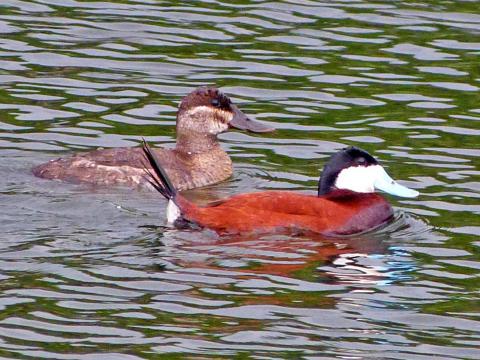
160 181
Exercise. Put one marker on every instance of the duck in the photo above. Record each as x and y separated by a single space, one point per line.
196 161
346 202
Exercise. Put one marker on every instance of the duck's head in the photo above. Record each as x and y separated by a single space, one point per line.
207 110
356 170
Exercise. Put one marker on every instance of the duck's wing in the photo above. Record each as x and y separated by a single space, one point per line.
116 166
113 157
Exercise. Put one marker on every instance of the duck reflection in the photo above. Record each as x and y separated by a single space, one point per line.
361 259
375 257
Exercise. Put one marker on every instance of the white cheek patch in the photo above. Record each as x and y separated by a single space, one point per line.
199 109
359 178
215 126
221 126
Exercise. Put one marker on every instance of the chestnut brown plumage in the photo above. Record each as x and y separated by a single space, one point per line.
336 211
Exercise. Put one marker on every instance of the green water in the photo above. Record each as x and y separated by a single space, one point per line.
92 273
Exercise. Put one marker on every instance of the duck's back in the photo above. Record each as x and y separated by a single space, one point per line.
125 167
275 210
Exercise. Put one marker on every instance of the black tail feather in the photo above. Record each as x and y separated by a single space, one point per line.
158 178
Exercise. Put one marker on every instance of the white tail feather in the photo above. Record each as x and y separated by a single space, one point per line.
173 212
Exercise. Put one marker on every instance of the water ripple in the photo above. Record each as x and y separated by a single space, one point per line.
91 273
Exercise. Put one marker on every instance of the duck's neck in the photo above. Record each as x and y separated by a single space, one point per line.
193 142
326 184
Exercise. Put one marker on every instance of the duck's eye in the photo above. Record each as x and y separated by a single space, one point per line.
215 102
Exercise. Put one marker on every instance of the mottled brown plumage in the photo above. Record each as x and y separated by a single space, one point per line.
197 159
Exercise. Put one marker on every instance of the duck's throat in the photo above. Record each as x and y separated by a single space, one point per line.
194 142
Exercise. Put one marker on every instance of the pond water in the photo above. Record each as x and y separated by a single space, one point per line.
93 273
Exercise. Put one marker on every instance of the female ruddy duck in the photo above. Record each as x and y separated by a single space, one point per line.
346 203
197 159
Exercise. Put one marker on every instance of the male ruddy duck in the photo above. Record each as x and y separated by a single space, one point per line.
197 159
346 203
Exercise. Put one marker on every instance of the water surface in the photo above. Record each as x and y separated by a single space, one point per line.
93 273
